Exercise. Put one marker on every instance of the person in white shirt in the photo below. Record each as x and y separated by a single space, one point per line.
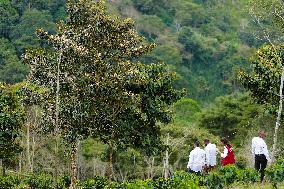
196 160
260 153
210 155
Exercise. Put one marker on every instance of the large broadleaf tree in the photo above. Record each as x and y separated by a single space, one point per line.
97 87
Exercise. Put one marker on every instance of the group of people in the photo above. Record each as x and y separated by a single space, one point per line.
206 160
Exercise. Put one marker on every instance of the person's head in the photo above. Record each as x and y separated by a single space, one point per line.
262 134
196 144
225 141
206 141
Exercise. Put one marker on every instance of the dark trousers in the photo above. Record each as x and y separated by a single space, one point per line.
197 173
260 164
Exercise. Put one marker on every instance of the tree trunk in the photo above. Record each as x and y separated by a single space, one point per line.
56 151
134 165
110 175
4 169
74 166
20 163
166 162
152 167
33 152
29 6
94 167
57 134
28 147
1 165
277 125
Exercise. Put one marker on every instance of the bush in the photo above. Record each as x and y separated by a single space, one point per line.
247 176
214 181
97 182
64 182
275 173
241 162
137 184
229 173
41 181
10 181
184 180
225 176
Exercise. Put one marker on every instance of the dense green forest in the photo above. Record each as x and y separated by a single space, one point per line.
205 42
218 77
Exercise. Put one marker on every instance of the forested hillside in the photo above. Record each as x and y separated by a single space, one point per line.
85 102
205 42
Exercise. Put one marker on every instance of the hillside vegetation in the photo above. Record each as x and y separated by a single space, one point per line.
205 42
85 100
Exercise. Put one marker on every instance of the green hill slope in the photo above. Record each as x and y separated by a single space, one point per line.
205 42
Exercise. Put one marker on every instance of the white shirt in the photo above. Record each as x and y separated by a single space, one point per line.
210 154
225 153
196 160
258 146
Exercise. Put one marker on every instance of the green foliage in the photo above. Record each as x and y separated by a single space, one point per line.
27 5
168 54
41 181
230 116
8 15
9 182
268 13
130 96
137 184
202 48
189 13
11 69
151 26
229 173
159 7
97 182
23 33
275 173
64 182
241 162
264 79
214 181
226 176
186 109
11 119
206 71
248 176
34 181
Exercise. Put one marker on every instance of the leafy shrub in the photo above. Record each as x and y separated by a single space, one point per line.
225 176
275 173
137 184
10 181
214 181
182 179
97 182
41 181
241 163
64 182
247 176
114 185
229 173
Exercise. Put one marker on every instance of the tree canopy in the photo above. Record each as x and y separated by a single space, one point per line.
264 80
11 120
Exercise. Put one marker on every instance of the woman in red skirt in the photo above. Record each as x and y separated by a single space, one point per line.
228 156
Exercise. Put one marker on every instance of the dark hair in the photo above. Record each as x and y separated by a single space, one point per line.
206 140
225 141
196 143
